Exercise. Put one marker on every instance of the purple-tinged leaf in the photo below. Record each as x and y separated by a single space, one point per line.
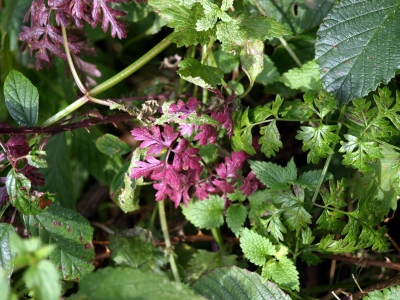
154 139
184 158
208 135
184 108
250 184
110 16
153 166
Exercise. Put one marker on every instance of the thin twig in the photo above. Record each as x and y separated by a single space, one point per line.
366 262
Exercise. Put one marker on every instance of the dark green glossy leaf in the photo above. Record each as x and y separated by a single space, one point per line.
6 255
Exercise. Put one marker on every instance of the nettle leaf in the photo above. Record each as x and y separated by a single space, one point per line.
235 216
359 152
255 247
345 54
305 78
318 141
195 72
252 59
204 261
111 145
391 293
6 255
127 283
22 99
18 188
72 236
205 214
283 272
270 139
236 283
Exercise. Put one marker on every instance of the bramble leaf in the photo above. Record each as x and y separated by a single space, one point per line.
256 247
22 99
205 214
342 64
318 141
195 72
72 236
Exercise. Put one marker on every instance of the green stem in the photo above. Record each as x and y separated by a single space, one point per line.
132 68
168 249
246 91
218 237
328 160
66 111
71 63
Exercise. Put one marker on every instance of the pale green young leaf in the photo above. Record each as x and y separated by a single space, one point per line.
235 216
270 139
391 293
127 283
252 59
275 226
205 214
204 261
43 279
269 74
211 14
359 152
255 247
6 255
282 272
22 99
237 195
71 234
236 283
226 4
318 141
306 236
195 72
4 285
208 153
305 78
111 145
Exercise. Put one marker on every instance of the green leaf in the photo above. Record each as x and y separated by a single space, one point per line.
205 214
131 248
127 283
101 166
43 279
255 247
272 174
111 145
269 74
71 234
270 139
391 293
225 61
310 179
283 272
18 187
195 72
384 103
242 138
22 99
261 113
34 158
336 194
323 101
4 285
296 109
252 59
58 175
236 283
318 141
359 152
204 261
235 216
305 78
342 64
6 255
360 113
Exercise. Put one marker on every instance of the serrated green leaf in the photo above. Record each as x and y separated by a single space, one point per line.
342 64
283 272
22 99
44 280
235 216
296 109
58 175
384 102
127 283
305 78
204 261
255 247
318 141
242 138
360 113
131 248
270 139
111 145
323 101
6 255
34 158
391 293
195 72
205 214
71 234
272 174
236 283
225 61
208 153
18 189
252 59
335 196
359 152
269 74
306 236
310 179
101 166
297 217
237 195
